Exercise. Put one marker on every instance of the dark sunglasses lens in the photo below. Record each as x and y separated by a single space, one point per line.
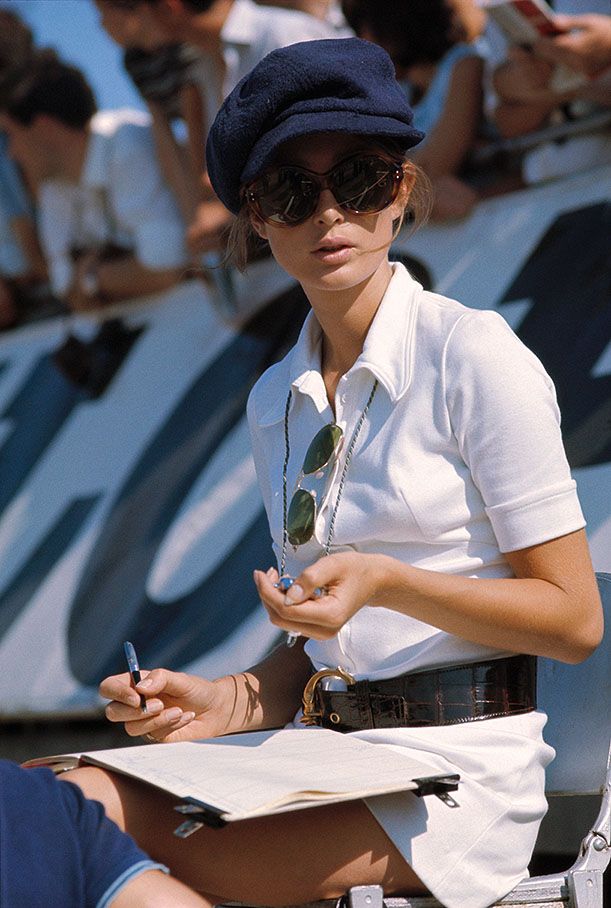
366 183
285 195
321 448
301 517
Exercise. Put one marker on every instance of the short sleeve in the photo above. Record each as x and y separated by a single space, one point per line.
142 203
503 412
57 847
110 858
430 108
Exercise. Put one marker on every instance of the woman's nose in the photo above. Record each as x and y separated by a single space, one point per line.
328 210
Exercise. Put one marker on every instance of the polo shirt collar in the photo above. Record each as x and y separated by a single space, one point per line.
388 351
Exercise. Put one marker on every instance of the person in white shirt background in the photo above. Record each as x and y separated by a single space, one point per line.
440 544
166 76
109 225
231 37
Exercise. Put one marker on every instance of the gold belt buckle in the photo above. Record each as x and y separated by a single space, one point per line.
310 714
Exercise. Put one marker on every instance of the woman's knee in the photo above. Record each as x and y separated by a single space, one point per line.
98 785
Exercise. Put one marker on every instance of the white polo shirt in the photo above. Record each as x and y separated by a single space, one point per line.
459 460
121 197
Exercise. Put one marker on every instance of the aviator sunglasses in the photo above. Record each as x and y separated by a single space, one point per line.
362 183
318 463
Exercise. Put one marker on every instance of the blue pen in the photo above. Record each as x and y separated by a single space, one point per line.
134 669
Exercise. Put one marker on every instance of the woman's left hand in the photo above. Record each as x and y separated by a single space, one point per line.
348 582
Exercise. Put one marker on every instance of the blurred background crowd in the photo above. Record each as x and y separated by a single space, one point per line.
103 206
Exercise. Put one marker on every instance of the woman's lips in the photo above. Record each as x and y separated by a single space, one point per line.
334 252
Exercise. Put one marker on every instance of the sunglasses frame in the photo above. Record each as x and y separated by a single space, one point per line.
322 182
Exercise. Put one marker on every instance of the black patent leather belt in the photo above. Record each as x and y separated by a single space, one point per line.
443 696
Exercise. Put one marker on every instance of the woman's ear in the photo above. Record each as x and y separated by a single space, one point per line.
259 226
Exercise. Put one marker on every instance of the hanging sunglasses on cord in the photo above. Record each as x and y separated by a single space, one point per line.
318 463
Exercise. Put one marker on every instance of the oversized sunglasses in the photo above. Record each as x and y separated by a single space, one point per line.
318 464
362 183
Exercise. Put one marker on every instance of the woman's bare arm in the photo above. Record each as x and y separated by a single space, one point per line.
185 707
551 607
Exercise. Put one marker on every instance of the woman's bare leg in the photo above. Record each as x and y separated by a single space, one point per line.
281 860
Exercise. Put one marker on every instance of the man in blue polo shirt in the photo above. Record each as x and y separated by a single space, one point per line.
59 849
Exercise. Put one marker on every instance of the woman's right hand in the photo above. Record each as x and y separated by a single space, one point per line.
179 707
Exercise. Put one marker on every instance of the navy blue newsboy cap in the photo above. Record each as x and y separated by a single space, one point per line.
335 85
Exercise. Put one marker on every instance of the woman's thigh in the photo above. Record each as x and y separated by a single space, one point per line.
286 859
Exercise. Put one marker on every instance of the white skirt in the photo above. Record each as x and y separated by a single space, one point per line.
472 855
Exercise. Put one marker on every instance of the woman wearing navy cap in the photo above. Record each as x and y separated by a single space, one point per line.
428 534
